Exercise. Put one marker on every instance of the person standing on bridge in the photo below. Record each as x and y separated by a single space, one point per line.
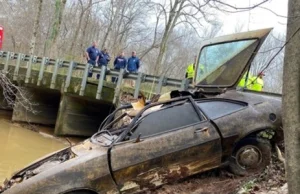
92 55
103 59
119 63
133 65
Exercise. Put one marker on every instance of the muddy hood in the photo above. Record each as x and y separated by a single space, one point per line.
60 167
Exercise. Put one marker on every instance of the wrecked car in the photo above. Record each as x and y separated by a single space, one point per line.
180 135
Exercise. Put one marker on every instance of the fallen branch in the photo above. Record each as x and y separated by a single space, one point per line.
15 95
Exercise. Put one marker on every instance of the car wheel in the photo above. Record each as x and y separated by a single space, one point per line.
251 155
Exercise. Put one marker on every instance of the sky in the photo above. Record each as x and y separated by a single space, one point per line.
257 18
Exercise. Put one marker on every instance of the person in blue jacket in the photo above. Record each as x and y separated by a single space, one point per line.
119 63
92 55
133 63
104 58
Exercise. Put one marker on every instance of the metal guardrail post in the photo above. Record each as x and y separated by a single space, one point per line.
5 69
16 71
118 87
138 85
54 74
101 82
184 84
28 72
69 75
42 69
84 79
160 84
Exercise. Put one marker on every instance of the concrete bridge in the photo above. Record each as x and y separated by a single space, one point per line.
64 96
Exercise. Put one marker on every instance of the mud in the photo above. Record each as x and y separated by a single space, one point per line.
271 181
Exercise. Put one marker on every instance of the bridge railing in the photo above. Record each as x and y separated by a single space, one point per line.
72 65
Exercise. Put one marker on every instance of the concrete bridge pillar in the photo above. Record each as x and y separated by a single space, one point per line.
44 104
80 116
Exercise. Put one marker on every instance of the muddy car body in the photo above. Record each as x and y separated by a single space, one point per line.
168 140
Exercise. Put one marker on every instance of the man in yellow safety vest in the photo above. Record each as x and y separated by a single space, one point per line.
190 71
255 83
258 82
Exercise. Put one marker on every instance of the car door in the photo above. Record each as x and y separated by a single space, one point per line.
176 142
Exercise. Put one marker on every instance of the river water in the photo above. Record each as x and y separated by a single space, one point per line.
20 146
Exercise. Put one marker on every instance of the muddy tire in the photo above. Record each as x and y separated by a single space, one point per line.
250 156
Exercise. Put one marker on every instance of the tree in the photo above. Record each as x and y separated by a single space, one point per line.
36 27
83 9
58 14
176 12
291 98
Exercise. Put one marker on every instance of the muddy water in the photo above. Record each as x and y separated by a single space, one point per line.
20 146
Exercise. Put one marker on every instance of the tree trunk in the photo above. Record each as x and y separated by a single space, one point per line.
291 99
35 27
111 23
76 32
172 19
83 10
59 10
84 31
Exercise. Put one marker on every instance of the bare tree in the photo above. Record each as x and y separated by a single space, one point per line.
175 13
83 9
291 98
36 27
58 14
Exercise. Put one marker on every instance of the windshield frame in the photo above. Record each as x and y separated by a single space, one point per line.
258 35
107 121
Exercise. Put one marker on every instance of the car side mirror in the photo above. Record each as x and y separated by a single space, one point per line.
138 139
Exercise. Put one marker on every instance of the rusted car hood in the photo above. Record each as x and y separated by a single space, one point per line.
52 169
84 147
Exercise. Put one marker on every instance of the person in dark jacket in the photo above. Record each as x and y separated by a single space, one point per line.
133 63
104 58
119 63
92 55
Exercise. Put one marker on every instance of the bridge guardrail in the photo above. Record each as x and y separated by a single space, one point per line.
71 65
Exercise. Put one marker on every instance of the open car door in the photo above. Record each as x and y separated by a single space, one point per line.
222 61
